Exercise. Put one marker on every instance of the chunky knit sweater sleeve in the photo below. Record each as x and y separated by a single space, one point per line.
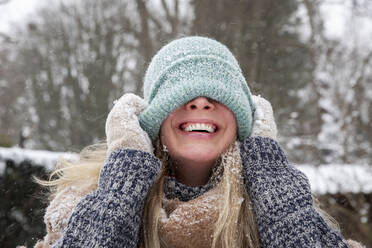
111 215
282 199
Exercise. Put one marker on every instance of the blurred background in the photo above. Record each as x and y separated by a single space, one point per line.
63 63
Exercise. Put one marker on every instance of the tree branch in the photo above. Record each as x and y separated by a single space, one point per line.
363 68
166 9
155 21
6 38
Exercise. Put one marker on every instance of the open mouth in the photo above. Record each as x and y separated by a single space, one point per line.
198 127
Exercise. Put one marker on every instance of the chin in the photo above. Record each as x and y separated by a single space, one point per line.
201 155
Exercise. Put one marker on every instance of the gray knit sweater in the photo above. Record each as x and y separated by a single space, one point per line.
111 216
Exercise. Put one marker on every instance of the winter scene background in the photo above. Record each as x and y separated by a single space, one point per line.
63 63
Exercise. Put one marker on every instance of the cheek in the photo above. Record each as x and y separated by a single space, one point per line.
231 120
231 137
162 136
165 131
232 130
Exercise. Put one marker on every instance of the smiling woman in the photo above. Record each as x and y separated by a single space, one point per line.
191 165
196 134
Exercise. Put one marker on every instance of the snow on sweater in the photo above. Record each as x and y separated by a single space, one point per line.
111 216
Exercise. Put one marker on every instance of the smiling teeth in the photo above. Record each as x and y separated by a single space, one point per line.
200 127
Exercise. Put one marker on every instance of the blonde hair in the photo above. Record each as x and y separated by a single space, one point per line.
83 173
235 226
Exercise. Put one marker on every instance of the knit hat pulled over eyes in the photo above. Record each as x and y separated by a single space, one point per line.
188 68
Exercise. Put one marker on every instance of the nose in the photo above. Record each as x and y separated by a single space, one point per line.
200 103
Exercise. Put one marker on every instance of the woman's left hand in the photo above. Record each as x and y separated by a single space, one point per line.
263 121
282 199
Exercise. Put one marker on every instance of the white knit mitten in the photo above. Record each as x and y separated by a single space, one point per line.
122 126
264 123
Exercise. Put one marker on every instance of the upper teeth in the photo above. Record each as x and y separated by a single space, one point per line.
200 127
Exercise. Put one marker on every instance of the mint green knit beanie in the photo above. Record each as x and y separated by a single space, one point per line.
188 68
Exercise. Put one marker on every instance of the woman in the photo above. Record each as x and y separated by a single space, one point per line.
213 182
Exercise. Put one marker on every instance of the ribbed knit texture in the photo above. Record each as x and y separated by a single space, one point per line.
282 199
111 216
191 67
176 190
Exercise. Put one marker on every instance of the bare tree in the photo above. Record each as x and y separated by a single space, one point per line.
339 84
78 58
265 40
75 59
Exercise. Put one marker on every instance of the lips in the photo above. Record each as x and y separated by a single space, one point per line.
199 127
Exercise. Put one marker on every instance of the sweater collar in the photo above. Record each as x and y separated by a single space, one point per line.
176 190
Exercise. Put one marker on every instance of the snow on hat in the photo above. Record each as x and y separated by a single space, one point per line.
191 67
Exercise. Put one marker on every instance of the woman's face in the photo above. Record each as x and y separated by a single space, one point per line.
198 132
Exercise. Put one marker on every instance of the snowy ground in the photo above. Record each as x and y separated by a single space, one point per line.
339 178
332 178
38 157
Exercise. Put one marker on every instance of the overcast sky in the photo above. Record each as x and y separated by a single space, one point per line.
18 11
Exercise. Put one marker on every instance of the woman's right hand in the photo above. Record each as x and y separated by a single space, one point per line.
111 215
122 127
